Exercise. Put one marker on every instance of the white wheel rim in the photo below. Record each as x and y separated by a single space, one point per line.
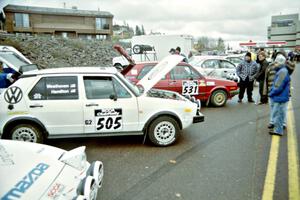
219 98
164 132
24 134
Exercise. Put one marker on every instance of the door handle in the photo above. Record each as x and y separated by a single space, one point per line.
36 106
225 71
91 104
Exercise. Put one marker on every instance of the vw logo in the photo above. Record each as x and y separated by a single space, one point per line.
13 95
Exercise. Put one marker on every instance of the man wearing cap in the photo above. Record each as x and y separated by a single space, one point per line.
246 71
260 76
279 94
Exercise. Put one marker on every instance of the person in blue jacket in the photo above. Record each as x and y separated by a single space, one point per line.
6 76
279 94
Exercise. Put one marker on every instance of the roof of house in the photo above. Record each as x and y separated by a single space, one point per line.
55 11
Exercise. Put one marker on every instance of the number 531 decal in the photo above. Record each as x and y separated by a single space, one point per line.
190 87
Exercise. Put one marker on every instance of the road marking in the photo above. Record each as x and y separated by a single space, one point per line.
270 178
293 162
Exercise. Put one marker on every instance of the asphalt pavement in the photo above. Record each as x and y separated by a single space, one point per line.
226 157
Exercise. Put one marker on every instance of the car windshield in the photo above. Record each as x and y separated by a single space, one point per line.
13 59
138 91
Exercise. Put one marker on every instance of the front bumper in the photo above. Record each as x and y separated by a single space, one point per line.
234 92
198 118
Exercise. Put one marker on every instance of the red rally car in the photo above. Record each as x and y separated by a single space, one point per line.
187 81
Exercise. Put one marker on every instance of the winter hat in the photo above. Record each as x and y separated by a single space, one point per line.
280 59
248 54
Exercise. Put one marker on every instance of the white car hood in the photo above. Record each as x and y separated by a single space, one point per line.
159 71
27 169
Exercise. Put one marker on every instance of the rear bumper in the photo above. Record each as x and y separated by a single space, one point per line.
199 118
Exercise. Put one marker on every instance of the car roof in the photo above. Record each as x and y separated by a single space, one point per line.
74 70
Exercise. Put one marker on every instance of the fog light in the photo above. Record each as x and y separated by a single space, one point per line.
96 171
87 188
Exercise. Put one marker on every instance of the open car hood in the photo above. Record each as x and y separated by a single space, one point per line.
159 71
12 58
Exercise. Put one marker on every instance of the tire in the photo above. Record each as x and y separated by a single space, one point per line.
218 98
160 138
27 133
118 67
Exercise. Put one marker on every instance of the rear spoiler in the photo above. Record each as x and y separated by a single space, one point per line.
122 52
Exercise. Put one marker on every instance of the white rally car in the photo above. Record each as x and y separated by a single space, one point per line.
90 102
37 171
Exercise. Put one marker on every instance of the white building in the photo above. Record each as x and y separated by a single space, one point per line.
285 28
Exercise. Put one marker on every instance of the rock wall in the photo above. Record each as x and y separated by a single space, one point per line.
51 52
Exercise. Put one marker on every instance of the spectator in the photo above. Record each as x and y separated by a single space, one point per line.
269 80
260 77
246 71
178 52
279 94
172 51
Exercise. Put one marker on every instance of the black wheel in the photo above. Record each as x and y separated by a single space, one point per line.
27 133
163 131
218 98
118 67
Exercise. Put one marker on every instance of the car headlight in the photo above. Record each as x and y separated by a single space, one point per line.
75 158
87 189
96 171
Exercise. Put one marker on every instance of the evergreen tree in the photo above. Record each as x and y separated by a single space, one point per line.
138 30
143 30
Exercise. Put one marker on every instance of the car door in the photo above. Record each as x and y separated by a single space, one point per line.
109 107
182 81
54 100
226 67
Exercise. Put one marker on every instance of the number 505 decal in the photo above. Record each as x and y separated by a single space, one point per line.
108 119
109 123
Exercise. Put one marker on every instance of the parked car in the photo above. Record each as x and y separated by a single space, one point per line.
186 80
235 59
87 101
216 66
36 171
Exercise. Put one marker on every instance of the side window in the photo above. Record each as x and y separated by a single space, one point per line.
210 64
98 87
195 74
120 90
181 72
226 64
38 92
55 88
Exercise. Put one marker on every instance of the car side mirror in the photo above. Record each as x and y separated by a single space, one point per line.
113 97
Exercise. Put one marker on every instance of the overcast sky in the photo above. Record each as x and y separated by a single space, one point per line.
233 20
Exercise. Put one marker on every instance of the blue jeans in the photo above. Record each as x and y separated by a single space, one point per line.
279 112
271 120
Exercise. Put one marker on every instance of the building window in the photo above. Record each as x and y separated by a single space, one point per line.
283 23
64 34
101 37
102 23
21 20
